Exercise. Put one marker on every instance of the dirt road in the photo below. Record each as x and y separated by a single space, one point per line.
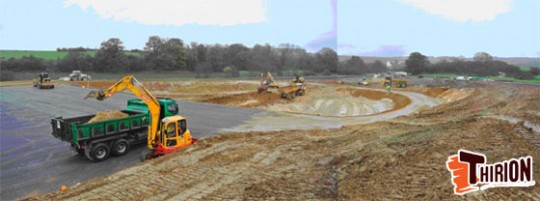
398 159
34 162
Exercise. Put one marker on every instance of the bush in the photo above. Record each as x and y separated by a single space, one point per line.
227 69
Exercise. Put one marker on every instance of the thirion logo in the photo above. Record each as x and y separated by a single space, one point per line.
471 173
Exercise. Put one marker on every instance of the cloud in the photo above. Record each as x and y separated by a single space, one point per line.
464 10
386 51
178 12
328 39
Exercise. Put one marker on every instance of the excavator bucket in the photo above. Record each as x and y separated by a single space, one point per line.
92 94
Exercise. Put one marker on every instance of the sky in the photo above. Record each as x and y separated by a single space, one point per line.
506 28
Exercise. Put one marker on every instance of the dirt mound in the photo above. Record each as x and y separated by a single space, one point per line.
106 115
251 99
321 101
215 87
327 101
455 94
398 100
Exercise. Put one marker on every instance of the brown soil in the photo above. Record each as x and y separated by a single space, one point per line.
402 159
106 115
399 101
251 99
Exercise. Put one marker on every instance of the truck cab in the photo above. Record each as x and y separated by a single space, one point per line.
169 107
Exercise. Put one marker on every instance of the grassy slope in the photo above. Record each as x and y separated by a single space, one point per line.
47 55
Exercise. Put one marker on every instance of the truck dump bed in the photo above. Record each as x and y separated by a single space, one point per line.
74 129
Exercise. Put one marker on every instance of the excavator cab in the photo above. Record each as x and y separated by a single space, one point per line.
173 136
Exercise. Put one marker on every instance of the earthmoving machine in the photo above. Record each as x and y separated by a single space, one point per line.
165 134
396 82
77 75
297 88
43 81
267 83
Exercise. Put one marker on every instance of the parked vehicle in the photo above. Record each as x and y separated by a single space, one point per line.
77 75
115 136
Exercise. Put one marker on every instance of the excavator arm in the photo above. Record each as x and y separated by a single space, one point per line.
129 82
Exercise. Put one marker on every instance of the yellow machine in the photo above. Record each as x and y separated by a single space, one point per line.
395 82
297 88
267 83
164 135
43 81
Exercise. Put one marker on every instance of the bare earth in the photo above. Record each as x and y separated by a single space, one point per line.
394 159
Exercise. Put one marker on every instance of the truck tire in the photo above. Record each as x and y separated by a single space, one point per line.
120 147
98 152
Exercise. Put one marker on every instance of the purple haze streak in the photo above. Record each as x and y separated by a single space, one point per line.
386 51
346 46
328 39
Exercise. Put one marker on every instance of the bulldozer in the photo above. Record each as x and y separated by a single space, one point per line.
43 81
296 88
267 84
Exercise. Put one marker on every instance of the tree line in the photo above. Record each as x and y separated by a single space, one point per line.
166 54
482 64
173 54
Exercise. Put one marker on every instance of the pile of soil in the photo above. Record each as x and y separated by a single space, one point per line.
214 87
106 115
327 101
398 100
251 99
455 94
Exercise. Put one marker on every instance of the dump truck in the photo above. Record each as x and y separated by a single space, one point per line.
97 140
291 91
296 88
395 82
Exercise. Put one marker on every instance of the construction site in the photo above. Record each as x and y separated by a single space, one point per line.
332 140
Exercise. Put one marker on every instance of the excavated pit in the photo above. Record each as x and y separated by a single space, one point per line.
321 101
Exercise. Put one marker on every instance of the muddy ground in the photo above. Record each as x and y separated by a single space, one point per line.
400 158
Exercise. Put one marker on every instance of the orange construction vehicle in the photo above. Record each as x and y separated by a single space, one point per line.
164 135
267 84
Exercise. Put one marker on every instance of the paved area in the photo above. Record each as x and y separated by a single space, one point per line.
33 161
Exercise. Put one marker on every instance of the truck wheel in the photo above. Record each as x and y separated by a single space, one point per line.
120 147
98 152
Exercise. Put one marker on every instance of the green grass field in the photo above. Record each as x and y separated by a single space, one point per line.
508 79
47 55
